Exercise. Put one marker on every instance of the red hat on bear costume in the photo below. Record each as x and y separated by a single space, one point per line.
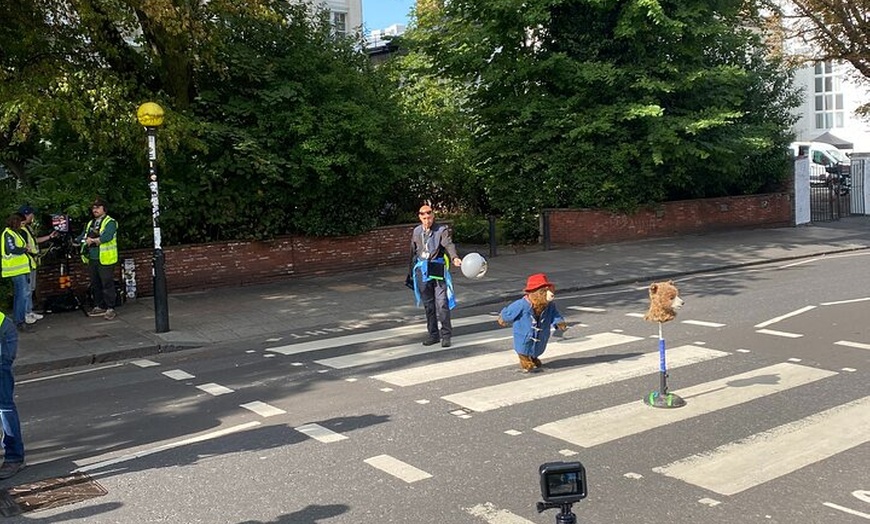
537 281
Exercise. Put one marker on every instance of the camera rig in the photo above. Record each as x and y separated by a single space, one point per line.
562 484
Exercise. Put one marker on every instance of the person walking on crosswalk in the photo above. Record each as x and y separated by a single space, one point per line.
432 250
533 317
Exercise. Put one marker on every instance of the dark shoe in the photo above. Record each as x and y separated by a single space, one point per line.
97 312
431 342
9 469
445 342
537 362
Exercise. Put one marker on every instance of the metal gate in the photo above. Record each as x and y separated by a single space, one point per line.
837 193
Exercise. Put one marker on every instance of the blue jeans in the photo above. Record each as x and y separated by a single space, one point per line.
20 297
13 444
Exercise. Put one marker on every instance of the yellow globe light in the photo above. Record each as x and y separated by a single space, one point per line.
150 114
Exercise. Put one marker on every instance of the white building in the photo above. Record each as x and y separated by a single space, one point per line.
831 97
345 15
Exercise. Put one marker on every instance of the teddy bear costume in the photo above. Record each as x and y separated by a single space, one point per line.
533 317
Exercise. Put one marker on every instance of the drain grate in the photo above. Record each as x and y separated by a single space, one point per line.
49 493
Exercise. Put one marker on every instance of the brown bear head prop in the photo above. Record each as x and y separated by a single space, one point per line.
664 301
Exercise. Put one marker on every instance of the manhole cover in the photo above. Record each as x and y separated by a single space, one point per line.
49 493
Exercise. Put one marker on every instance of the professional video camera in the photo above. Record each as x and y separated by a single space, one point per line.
562 484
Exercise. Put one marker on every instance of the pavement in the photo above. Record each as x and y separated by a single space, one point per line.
285 310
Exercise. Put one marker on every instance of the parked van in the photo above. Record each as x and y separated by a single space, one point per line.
827 163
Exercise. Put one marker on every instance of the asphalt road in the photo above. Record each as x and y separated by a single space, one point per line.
366 427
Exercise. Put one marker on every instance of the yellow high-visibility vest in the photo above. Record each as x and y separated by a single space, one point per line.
109 250
14 265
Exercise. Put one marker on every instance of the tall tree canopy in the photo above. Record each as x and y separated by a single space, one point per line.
615 103
274 125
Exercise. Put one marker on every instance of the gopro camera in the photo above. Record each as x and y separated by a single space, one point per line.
563 482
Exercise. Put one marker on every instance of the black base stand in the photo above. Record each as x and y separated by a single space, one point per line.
565 516
661 398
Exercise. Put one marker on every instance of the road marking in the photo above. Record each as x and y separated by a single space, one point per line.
150 451
779 333
464 366
320 433
347 340
177 374
144 363
263 409
408 350
551 384
762 457
635 315
214 389
397 468
68 374
636 417
489 513
588 309
857 345
783 317
703 323
847 510
840 302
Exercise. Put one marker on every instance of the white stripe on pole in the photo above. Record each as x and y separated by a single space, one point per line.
550 384
464 366
635 417
762 457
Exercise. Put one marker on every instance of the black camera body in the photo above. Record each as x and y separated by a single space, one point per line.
562 482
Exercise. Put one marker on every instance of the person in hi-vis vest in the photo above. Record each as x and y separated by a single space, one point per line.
16 267
99 246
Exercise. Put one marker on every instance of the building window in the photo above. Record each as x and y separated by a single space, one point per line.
339 23
828 96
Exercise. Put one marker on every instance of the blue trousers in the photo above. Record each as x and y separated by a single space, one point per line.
13 444
20 297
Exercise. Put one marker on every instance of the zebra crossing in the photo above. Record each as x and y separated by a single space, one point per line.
721 470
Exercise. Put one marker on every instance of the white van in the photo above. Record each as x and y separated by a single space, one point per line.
826 161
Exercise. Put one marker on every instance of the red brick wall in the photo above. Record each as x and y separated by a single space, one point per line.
588 227
227 264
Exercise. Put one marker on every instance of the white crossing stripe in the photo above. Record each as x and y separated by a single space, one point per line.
347 340
783 317
775 333
177 374
605 425
214 389
144 363
856 345
408 350
397 468
762 457
320 433
703 323
489 513
588 309
464 366
550 384
263 409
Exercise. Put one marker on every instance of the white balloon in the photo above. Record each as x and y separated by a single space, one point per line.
473 265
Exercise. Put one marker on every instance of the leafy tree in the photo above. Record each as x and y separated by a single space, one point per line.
273 125
613 104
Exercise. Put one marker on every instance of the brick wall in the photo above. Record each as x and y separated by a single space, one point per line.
589 227
227 264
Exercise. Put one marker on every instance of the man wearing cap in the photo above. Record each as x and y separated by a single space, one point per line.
13 444
33 243
100 251
432 250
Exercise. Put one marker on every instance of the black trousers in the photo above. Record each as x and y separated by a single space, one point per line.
433 294
103 285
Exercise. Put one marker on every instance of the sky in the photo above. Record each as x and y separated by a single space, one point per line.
381 14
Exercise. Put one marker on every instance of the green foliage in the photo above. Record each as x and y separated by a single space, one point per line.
612 105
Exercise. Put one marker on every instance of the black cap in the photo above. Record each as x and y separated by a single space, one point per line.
26 209
99 202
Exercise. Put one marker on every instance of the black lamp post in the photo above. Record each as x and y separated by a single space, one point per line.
150 115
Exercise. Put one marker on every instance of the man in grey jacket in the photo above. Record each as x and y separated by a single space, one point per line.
432 251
